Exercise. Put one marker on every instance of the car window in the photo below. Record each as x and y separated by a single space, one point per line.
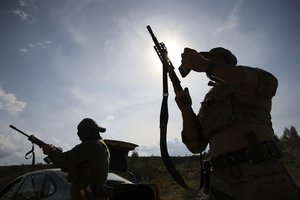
48 186
10 189
30 188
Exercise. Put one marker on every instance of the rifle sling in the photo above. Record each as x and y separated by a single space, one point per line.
164 115
31 154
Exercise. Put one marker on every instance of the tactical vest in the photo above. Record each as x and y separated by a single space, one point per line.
84 172
223 106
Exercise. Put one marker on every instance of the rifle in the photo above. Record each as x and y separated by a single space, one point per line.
162 53
36 141
168 68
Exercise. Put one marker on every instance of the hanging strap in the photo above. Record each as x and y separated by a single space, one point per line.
165 155
168 68
31 154
164 117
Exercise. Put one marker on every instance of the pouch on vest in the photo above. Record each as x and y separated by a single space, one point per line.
216 114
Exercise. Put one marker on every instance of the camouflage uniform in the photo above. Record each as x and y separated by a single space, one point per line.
229 116
264 181
87 164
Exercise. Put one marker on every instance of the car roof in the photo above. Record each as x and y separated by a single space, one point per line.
112 177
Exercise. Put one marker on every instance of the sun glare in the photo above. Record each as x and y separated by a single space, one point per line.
175 50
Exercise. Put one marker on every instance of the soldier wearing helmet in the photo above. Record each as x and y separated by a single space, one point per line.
236 124
87 163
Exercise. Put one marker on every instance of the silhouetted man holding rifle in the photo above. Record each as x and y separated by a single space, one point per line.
87 164
236 123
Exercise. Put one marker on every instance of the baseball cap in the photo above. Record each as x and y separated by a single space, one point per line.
229 57
90 123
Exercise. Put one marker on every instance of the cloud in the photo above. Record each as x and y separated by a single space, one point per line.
9 103
83 97
233 19
58 143
24 50
175 148
110 117
6 146
42 44
151 150
22 14
25 3
37 46
13 147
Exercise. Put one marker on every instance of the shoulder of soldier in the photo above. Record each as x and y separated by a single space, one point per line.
265 81
259 71
254 69
103 144
88 145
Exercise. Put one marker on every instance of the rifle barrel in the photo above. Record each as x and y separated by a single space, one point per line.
153 37
11 126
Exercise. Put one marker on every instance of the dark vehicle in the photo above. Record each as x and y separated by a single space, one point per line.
51 184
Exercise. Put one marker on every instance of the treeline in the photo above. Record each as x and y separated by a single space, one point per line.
290 141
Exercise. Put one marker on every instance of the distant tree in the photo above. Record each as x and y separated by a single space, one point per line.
293 132
289 134
135 154
285 135
290 141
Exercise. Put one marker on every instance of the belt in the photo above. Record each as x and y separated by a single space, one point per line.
262 152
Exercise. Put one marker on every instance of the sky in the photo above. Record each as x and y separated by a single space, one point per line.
62 61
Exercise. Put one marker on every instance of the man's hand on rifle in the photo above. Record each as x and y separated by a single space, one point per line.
183 100
48 148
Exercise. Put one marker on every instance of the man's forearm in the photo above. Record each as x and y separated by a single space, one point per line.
190 134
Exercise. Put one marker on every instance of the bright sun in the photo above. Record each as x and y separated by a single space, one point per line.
175 48
174 53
